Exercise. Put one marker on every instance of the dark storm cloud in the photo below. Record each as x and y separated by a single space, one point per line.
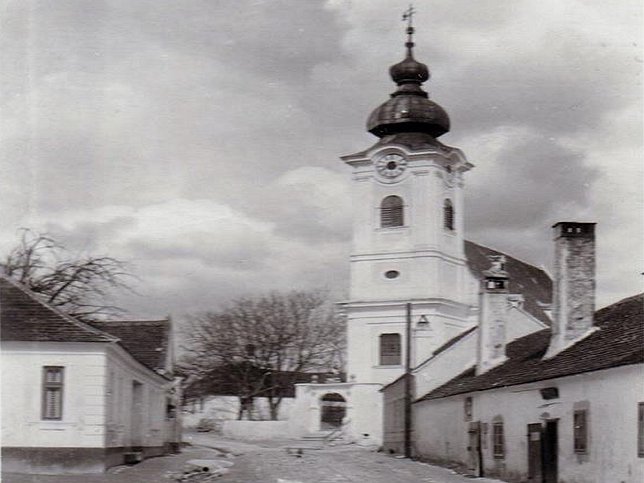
527 185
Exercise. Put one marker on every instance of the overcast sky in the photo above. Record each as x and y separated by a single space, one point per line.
199 140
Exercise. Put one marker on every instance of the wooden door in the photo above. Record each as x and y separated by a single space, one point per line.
535 474
474 449
550 449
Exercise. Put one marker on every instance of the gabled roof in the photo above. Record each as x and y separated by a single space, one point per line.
148 341
533 283
24 317
618 342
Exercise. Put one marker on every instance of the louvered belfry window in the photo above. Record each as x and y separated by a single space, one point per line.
52 396
448 215
391 212
390 350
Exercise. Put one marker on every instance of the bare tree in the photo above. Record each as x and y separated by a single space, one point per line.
257 346
79 286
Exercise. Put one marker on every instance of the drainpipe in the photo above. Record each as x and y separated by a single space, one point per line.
408 384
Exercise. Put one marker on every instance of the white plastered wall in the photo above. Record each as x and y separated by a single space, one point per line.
441 431
82 424
121 371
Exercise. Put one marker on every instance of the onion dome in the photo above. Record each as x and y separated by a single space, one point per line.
409 109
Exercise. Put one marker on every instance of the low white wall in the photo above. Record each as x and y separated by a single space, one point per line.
256 430
226 408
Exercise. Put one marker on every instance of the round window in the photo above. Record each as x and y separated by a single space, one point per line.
392 273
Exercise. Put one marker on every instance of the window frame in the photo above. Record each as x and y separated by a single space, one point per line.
498 440
640 430
448 215
392 216
395 354
56 387
468 405
580 431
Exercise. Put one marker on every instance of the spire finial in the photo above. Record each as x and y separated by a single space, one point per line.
408 15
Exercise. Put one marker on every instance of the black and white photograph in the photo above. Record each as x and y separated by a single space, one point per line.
321 241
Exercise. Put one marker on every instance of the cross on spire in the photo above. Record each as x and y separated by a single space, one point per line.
408 15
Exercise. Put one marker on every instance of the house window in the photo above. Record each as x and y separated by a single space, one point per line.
467 407
52 393
390 349
391 212
448 215
580 431
498 440
170 409
640 430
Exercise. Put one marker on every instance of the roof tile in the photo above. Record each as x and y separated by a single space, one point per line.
619 341
24 317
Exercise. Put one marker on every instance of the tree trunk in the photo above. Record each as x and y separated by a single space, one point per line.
274 406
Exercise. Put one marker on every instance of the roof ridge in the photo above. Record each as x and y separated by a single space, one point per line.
60 313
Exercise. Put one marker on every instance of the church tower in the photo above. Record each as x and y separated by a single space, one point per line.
407 233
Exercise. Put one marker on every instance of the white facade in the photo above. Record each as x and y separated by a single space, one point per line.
428 258
462 355
110 404
610 396
363 410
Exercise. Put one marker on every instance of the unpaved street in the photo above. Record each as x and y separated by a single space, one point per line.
268 462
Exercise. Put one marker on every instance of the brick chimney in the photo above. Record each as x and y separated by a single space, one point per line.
574 284
493 316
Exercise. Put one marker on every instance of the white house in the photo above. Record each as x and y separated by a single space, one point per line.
564 403
81 398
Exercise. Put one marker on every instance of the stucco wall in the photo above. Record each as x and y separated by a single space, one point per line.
82 424
226 408
364 409
394 416
97 416
256 430
122 430
612 395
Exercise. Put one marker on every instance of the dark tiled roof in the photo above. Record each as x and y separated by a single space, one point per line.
146 340
533 283
618 342
24 317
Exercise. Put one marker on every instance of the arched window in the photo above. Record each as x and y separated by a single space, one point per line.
390 350
391 212
448 215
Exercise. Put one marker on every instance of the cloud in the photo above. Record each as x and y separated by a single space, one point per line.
201 139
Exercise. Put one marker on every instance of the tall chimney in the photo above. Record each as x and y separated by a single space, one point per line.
493 315
574 284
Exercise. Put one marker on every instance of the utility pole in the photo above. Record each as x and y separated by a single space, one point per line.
408 384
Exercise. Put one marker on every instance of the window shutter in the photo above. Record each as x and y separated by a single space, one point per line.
390 350
448 215
392 212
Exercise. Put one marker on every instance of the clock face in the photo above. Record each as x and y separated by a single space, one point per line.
391 165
